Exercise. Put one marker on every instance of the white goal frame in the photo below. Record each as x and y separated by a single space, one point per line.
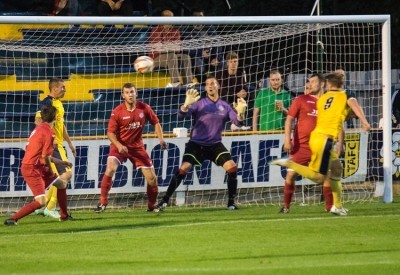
386 51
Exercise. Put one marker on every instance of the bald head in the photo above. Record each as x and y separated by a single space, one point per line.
167 13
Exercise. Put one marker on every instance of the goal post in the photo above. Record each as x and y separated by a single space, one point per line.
94 56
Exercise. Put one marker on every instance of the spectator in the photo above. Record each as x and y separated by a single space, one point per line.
271 105
396 110
115 7
162 39
66 8
205 60
232 80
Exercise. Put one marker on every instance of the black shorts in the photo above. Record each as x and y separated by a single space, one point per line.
196 153
60 153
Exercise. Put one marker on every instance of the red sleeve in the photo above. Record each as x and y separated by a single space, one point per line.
113 122
295 108
151 116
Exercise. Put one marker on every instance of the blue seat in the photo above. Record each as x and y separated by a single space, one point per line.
27 66
17 112
87 128
41 66
16 125
25 101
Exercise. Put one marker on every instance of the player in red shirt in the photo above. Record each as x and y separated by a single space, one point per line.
302 112
125 133
36 168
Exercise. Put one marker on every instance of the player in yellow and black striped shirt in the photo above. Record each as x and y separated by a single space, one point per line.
333 108
57 91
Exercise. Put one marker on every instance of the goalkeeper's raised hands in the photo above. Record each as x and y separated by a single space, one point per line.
192 96
240 106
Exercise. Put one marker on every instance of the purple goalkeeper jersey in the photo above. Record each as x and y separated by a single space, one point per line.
209 120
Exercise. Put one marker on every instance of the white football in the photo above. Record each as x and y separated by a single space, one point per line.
144 64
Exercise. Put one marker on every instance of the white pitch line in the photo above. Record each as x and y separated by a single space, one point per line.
199 224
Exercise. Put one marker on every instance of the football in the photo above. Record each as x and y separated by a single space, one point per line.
144 64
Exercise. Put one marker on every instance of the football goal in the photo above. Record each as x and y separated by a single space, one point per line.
95 58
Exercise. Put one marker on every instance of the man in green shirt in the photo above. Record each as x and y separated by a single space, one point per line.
271 105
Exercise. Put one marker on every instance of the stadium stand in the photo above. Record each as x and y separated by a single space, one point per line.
85 115
17 112
39 66
88 118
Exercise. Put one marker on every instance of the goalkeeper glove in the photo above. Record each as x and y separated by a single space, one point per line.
240 106
192 96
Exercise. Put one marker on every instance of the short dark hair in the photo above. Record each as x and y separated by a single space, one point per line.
320 77
54 81
231 55
212 77
48 113
128 85
275 72
335 79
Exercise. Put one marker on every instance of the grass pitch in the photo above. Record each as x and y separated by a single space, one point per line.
252 240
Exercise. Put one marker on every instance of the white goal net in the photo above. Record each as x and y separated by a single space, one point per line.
94 57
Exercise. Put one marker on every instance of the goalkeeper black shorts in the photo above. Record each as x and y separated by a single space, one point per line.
196 153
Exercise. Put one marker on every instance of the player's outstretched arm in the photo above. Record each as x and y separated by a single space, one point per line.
353 103
192 96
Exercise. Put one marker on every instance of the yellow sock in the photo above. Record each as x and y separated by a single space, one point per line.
306 172
53 198
49 194
336 186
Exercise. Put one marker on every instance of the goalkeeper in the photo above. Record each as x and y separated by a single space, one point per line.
210 115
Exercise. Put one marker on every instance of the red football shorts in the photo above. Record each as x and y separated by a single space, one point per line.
138 157
301 155
38 178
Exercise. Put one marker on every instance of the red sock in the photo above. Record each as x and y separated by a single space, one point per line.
328 197
105 186
152 193
26 210
62 202
288 192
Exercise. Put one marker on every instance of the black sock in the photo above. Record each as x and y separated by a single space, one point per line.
232 187
173 185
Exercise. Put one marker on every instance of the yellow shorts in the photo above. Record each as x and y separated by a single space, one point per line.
322 152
